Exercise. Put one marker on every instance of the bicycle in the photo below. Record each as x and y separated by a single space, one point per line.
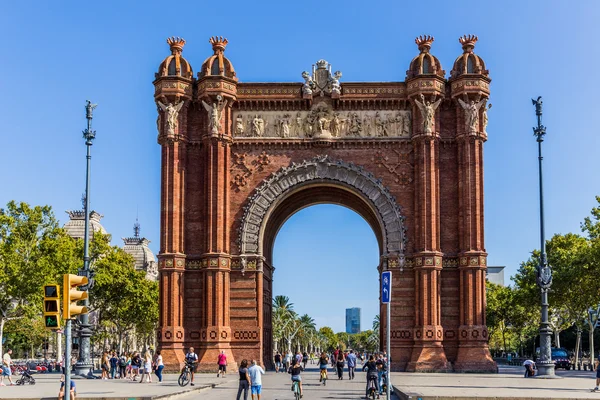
384 383
296 390
323 376
372 390
186 374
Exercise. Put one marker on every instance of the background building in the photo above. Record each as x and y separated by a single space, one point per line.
353 320
495 275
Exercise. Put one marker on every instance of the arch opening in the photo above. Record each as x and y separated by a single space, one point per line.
326 257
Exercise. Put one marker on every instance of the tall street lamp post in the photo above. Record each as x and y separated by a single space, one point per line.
545 365
84 366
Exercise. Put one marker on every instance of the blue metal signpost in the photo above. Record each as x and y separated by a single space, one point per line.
386 287
386 298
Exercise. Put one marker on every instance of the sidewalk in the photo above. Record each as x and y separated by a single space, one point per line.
508 384
47 386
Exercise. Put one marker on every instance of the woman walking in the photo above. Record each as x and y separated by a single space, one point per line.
146 367
244 380
105 365
339 363
158 365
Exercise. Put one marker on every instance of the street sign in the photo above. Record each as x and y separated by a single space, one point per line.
386 287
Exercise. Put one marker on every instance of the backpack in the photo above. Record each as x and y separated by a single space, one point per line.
122 361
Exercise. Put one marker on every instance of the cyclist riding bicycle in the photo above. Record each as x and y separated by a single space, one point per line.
372 380
323 363
295 371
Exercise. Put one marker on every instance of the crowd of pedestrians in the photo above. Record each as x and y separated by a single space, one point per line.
131 366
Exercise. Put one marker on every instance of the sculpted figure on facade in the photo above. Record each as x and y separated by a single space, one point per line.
172 111
381 126
471 115
308 86
284 126
214 114
298 122
239 125
335 82
336 125
355 128
257 126
427 109
485 118
406 124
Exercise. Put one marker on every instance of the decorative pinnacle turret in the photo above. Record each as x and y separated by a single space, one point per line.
218 43
468 42
176 44
424 43
136 229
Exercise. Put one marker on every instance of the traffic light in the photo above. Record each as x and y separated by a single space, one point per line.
51 308
71 295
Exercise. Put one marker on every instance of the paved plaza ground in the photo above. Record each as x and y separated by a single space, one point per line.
508 384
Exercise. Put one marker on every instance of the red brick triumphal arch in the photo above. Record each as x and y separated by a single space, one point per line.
240 158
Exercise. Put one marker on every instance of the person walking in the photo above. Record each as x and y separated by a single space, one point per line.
244 380
222 361
114 364
286 360
146 367
339 363
136 364
122 366
277 362
105 365
255 371
597 367
192 359
158 365
6 371
351 360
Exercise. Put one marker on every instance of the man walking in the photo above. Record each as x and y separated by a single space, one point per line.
192 359
351 360
255 371
6 363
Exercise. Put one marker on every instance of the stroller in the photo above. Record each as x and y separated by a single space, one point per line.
26 378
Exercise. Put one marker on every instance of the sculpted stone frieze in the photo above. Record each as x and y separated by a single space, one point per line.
321 168
321 123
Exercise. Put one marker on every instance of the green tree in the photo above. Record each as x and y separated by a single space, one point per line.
122 295
34 251
331 339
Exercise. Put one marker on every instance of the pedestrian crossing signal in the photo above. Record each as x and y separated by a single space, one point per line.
52 321
51 307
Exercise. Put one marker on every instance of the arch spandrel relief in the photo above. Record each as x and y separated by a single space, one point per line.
322 169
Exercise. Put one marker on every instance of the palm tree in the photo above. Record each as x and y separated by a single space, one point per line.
376 324
283 302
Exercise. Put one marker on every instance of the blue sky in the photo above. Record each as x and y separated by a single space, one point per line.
58 54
